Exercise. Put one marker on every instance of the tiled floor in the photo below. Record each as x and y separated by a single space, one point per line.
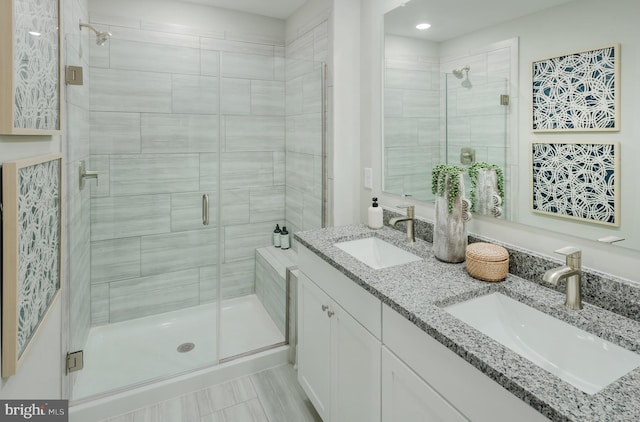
273 395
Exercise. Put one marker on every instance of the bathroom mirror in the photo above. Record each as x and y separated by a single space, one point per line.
440 110
460 92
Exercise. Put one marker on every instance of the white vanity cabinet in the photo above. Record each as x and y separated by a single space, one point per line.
452 384
338 356
360 360
314 344
407 398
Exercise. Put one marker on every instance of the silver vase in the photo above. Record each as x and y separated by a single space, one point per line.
450 232
488 201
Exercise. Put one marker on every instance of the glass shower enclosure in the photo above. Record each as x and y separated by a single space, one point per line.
199 153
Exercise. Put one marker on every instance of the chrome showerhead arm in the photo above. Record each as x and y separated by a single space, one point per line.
101 37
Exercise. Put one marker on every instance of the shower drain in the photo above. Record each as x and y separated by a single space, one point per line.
186 347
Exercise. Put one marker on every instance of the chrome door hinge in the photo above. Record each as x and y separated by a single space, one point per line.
504 100
75 361
73 75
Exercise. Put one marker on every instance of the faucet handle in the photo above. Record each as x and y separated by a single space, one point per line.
411 209
569 251
573 256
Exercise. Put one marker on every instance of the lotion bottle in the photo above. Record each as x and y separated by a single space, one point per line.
375 215
276 236
284 238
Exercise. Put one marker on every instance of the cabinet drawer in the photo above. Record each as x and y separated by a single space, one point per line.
473 393
362 305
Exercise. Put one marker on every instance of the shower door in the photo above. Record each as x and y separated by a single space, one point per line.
150 127
193 175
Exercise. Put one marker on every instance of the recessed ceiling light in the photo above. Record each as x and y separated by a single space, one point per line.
423 26
35 33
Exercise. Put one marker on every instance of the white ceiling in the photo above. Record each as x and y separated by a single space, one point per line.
453 18
448 18
280 9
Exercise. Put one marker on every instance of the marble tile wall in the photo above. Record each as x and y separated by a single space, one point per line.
271 289
173 116
271 285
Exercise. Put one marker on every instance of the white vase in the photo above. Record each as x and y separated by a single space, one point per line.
450 232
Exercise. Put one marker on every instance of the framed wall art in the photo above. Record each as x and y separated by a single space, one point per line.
577 180
31 260
30 67
577 92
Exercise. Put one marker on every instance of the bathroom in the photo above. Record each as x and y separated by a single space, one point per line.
348 37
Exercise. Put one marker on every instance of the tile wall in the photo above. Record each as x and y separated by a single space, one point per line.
412 130
305 55
430 116
174 116
475 117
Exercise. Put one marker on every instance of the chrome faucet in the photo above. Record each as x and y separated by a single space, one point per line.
570 272
409 218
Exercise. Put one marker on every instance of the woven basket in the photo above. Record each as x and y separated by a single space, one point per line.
487 262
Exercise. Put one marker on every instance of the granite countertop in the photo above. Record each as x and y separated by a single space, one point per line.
419 291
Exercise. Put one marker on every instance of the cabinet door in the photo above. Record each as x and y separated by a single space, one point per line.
407 398
314 345
355 370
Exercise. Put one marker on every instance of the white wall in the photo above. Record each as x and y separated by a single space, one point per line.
586 30
371 58
345 36
40 375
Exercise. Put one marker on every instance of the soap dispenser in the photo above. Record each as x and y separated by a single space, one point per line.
284 239
375 215
276 236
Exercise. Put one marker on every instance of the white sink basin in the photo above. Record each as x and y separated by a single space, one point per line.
377 253
581 359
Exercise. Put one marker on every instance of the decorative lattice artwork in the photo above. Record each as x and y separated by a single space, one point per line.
36 73
577 180
577 92
38 245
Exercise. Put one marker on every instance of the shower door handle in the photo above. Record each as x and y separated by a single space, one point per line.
205 209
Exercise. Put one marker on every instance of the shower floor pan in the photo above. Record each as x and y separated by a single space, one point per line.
130 352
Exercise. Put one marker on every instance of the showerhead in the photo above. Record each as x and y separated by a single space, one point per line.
458 72
101 37
464 72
